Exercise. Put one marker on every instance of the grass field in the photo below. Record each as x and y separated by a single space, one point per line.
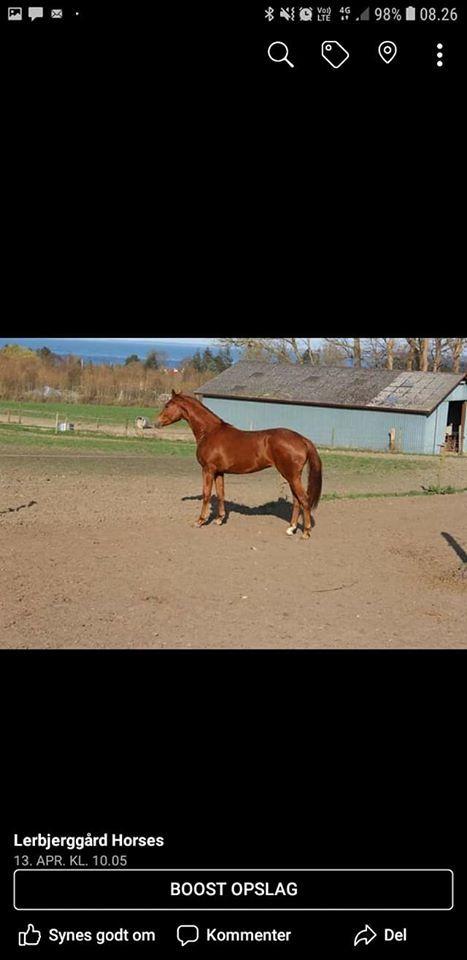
148 445
45 439
79 411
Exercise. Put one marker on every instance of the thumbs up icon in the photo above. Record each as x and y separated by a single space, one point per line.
29 937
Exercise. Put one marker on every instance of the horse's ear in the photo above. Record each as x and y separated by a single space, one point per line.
174 394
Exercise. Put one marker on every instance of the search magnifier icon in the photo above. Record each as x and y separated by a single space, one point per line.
278 52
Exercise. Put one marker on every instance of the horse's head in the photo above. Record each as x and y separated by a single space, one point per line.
172 411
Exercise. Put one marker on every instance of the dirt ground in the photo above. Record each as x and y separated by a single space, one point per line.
103 553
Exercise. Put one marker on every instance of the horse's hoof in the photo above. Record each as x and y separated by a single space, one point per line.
291 531
219 521
200 523
306 535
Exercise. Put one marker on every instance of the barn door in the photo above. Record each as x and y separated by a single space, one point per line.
456 411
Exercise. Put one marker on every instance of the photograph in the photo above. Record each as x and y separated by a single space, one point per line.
261 493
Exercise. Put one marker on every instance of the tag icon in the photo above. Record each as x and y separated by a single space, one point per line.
387 50
334 53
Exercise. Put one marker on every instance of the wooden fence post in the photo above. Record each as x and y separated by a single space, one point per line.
442 451
56 423
462 428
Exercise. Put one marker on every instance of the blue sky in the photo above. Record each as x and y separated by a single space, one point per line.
143 339
149 339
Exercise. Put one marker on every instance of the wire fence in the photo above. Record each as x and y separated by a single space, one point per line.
62 422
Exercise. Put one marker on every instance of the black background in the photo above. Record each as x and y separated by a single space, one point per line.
239 759
152 145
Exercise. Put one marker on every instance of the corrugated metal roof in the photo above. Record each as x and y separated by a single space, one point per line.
333 386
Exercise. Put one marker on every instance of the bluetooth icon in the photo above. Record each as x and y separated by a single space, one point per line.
269 14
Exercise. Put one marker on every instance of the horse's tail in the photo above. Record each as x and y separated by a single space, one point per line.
315 477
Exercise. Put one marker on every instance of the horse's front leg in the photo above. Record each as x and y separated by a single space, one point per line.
220 490
208 480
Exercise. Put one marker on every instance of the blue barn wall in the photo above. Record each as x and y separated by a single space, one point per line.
333 427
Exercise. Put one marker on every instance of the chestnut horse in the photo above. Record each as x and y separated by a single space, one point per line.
221 448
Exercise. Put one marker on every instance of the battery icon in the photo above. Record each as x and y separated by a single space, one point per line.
410 13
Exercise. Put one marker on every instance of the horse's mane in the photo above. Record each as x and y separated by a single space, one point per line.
186 398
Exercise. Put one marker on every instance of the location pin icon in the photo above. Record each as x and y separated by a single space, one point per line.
387 50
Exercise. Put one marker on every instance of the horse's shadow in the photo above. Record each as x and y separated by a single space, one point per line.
281 509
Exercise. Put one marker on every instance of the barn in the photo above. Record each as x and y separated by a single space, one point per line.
361 409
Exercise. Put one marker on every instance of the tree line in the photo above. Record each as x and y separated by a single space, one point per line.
205 361
390 353
42 374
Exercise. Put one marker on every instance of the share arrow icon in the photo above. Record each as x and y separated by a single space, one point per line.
364 936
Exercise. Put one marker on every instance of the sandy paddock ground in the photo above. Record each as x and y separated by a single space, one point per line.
103 553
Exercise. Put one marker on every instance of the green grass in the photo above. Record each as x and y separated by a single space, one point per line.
32 436
81 411
368 465
47 439
44 441
436 489
423 492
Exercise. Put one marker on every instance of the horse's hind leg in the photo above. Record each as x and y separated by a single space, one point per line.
208 480
220 490
299 492
295 515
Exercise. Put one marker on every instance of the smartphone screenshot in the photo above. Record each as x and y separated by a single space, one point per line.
233 586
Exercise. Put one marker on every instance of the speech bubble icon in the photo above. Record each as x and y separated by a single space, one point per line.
35 13
186 935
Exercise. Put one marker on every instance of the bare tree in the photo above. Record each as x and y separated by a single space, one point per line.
351 348
290 349
390 344
357 352
417 357
437 354
411 354
379 352
424 344
309 355
456 347
331 356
